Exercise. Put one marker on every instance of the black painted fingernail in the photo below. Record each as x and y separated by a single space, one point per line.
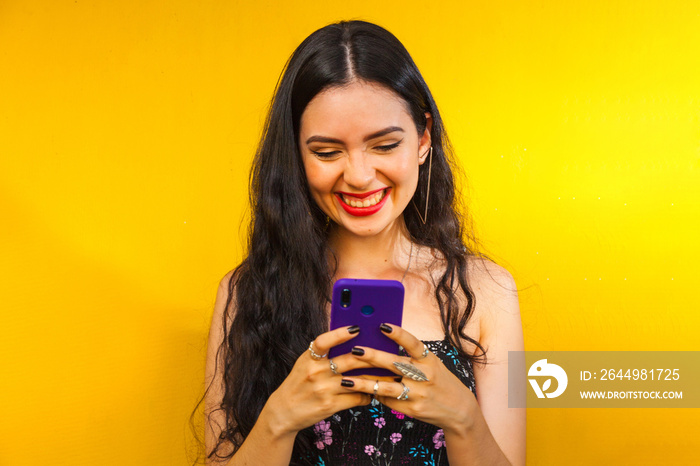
354 329
398 379
347 383
358 351
385 328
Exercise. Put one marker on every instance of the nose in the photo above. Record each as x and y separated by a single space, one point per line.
359 171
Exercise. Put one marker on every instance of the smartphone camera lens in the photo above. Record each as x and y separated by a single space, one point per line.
345 298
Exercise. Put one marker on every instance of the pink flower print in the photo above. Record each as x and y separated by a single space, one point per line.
439 439
324 434
369 449
398 414
395 437
379 422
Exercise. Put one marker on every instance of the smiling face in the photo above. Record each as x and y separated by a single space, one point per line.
361 151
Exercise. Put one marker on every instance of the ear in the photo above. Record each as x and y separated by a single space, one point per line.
425 140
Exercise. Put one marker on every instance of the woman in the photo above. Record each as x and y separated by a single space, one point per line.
352 179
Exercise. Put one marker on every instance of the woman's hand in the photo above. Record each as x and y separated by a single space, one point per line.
312 391
442 400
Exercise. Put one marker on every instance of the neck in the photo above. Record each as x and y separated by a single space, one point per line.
382 256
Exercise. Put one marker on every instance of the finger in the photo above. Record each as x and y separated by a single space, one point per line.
413 346
384 389
338 397
348 362
325 367
326 341
351 399
377 358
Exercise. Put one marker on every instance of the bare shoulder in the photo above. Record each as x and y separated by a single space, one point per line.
225 285
495 293
490 279
225 288
501 329
222 303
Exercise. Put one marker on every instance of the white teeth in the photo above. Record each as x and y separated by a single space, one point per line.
367 202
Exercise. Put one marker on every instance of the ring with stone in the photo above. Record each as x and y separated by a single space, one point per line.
376 388
334 367
425 352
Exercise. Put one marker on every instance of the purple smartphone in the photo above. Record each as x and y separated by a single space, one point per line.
367 303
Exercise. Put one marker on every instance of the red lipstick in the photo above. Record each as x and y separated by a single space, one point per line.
363 211
362 195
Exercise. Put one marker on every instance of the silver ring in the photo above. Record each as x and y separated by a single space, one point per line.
404 394
426 351
315 355
334 367
376 388
411 371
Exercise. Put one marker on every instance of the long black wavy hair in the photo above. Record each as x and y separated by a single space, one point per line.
282 288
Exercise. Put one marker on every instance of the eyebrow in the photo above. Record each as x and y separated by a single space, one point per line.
369 137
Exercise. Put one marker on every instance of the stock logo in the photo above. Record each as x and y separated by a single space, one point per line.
542 368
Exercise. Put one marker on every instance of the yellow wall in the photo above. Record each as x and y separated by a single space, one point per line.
126 131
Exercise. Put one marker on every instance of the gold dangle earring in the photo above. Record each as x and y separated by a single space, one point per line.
424 217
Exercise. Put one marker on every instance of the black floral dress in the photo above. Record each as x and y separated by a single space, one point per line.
377 435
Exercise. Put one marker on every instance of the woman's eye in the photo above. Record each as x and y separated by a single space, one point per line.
326 155
388 147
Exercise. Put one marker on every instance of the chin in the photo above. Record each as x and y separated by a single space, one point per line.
367 228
